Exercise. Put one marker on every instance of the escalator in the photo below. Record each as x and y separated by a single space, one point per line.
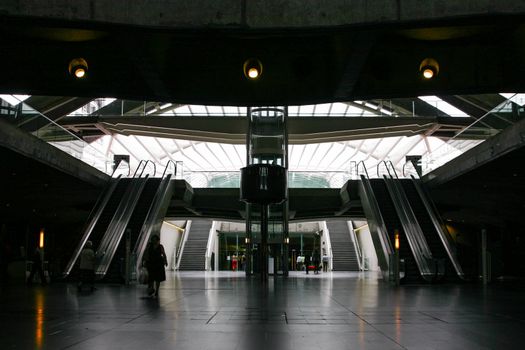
392 222
108 246
401 204
425 223
99 220
433 229
116 270
136 205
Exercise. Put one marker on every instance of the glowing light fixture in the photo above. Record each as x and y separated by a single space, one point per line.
429 68
253 73
396 239
78 67
428 73
287 240
247 240
41 241
252 68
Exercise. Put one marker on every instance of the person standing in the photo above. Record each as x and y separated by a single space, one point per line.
307 263
316 262
155 261
87 266
326 260
36 267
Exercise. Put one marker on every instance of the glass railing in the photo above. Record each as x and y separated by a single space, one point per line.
492 123
425 106
36 123
296 179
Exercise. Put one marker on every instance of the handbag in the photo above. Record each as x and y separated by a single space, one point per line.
143 275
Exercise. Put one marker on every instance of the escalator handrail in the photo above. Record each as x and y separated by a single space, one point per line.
387 163
116 167
151 216
384 239
439 226
145 163
117 214
125 211
166 168
411 217
404 165
138 167
93 218
418 245
364 167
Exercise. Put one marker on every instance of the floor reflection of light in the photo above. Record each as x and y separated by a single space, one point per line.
39 319
397 316
362 332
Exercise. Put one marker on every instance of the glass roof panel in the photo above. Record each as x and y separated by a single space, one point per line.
92 106
330 156
443 106
14 100
516 98
323 108
182 110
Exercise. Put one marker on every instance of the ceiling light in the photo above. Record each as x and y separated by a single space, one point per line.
428 73
429 68
252 68
253 73
78 67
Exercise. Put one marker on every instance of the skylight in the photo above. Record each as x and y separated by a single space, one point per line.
14 100
443 106
516 98
92 106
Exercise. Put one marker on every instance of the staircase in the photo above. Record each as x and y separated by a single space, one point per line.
193 255
344 255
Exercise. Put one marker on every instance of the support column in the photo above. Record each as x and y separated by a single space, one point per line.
484 265
249 241
264 243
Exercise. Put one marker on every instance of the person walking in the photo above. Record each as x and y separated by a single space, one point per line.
87 266
155 262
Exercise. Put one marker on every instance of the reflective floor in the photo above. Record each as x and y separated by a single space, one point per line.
226 311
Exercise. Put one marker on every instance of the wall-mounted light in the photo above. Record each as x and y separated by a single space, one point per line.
41 240
396 239
252 68
78 68
429 68
287 240
247 240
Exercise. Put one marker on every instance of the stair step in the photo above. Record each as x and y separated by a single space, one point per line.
194 251
344 256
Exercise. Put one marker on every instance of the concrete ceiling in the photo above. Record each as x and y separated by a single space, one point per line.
301 65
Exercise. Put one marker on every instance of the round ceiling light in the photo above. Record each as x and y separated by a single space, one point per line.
78 68
429 68
252 68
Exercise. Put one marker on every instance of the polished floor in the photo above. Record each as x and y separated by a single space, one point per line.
226 311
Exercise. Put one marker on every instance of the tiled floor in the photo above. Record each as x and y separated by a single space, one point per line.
226 311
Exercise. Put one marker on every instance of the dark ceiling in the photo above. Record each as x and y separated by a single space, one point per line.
476 55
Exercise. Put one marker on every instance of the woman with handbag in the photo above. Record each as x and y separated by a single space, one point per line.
155 261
